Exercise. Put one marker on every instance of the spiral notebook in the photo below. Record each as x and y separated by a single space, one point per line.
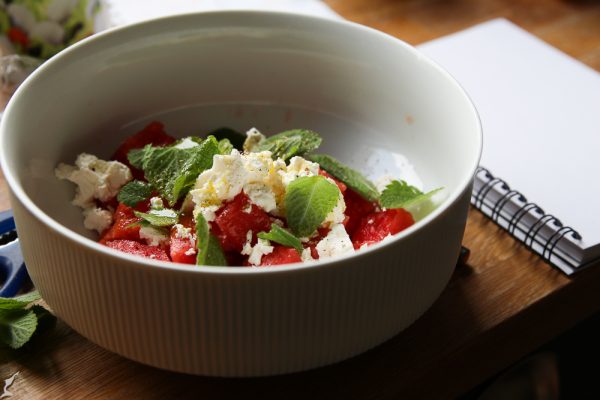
540 111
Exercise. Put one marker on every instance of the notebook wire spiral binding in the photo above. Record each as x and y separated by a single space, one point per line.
530 236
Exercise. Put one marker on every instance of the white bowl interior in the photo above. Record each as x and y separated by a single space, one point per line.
372 99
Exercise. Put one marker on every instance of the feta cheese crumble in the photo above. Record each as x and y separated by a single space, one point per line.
153 236
298 167
337 242
336 216
254 173
181 232
97 219
256 252
253 138
306 255
186 143
96 179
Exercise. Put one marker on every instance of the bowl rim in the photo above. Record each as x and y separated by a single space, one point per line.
138 261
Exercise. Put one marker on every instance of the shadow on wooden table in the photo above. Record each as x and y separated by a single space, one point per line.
61 361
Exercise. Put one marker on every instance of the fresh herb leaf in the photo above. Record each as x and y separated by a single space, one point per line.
235 138
17 327
19 302
19 320
173 171
288 144
160 218
207 244
399 194
136 156
225 146
308 200
279 235
352 178
134 192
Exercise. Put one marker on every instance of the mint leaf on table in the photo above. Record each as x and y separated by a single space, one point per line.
207 245
19 320
134 192
279 235
295 142
399 194
235 138
352 178
160 218
173 171
308 200
17 327
16 303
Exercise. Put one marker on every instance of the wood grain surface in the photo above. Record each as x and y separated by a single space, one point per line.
503 305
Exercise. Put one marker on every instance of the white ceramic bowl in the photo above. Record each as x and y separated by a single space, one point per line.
372 97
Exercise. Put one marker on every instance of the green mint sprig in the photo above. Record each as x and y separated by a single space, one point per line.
225 147
279 235
207 244
308 200
295 142
19 319
352 178
134 192
399 194
159 218
173 171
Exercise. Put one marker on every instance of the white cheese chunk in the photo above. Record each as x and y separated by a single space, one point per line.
221 182
254 173
186 143
97 219
253 138
306 255
95 179
337 242
298 167
182 232
336 216
153 236
256 252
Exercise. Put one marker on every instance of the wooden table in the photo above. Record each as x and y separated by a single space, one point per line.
504 304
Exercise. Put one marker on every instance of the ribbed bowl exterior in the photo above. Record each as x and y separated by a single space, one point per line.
228 324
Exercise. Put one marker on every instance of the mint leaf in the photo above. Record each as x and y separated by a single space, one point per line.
399 194
235 138
288 144
17 327
279 235
164 217
134 192
19 302
136 156
208 246
18 321
225 146
308 200
173 171
352 178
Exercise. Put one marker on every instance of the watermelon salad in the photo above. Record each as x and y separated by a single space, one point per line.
230 199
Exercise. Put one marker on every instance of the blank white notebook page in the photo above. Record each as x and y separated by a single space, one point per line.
540 111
